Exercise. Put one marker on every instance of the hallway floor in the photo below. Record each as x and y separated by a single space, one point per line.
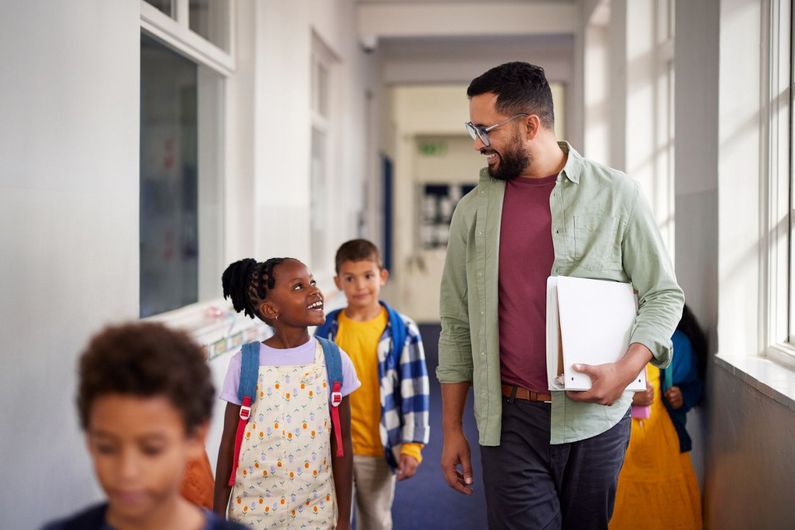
426 501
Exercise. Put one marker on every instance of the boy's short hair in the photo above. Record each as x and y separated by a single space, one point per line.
146 359
357 250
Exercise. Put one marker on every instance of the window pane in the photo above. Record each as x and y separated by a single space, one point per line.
791 227
317 210
210 19
169 180
163 5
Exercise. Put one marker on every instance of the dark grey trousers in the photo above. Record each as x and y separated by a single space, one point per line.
531 484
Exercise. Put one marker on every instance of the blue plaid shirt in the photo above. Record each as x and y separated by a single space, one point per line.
405 395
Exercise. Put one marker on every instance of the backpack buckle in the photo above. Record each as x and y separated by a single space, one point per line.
245 412
336 398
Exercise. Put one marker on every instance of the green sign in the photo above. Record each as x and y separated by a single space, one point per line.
433 148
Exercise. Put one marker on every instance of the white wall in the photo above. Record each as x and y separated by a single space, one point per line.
69 244
696 170
282 111
69 179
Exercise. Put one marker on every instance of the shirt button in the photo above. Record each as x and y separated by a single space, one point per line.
483 353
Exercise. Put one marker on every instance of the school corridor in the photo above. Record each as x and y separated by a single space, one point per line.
146 144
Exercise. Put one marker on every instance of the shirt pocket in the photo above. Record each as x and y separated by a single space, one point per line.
597 242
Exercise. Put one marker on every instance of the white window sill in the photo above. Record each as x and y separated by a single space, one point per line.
215 326
773 375
219 329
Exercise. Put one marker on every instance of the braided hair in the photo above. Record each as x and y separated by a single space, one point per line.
698 339
247 283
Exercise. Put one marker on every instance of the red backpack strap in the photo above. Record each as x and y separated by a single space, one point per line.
245 414
331 353
247 389
336 399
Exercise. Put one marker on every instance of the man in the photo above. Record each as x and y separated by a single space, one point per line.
541 209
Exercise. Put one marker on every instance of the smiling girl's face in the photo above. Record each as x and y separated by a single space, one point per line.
295 299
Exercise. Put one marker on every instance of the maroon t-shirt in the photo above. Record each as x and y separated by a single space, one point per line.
526 256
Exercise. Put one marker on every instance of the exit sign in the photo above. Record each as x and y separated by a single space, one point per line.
433 148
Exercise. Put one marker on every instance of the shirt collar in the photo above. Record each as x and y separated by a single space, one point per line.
573 166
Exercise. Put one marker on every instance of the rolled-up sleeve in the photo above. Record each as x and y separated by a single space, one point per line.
649 267
455 347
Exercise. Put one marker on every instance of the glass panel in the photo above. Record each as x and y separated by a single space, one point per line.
169 238
210 19
319 86
322 90
791 228
163 5
318 202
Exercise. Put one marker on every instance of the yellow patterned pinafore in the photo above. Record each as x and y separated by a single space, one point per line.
284 477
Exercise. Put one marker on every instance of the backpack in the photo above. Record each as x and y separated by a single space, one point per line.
246 392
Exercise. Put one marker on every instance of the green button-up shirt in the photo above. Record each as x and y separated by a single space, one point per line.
601 228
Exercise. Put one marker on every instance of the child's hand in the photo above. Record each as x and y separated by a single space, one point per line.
407 467
644 398
674 397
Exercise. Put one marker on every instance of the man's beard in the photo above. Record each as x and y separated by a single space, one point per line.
513 161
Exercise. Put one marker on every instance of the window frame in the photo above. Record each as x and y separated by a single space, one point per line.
777 335
176 33
209 321
323 105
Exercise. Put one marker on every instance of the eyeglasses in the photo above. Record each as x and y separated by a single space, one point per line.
478 131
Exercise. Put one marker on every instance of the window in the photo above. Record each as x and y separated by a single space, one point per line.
779 239
210 19
321 173
664 180
164 6
790 180
181 154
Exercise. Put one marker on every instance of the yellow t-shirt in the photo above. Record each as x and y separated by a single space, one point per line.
360 341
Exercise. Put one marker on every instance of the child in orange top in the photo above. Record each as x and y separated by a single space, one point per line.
389 413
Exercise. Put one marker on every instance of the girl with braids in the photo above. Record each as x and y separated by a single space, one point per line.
286 476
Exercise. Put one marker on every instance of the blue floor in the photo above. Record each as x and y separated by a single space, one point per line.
426 501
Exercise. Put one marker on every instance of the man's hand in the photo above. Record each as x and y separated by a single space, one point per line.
407 467
455 452
644 398
608 381
674 397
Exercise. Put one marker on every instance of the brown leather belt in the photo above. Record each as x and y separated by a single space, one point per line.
524 393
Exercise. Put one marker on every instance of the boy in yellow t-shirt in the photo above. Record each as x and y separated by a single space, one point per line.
389 412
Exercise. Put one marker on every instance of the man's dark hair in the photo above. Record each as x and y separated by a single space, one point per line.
146 359
520 87
357 250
